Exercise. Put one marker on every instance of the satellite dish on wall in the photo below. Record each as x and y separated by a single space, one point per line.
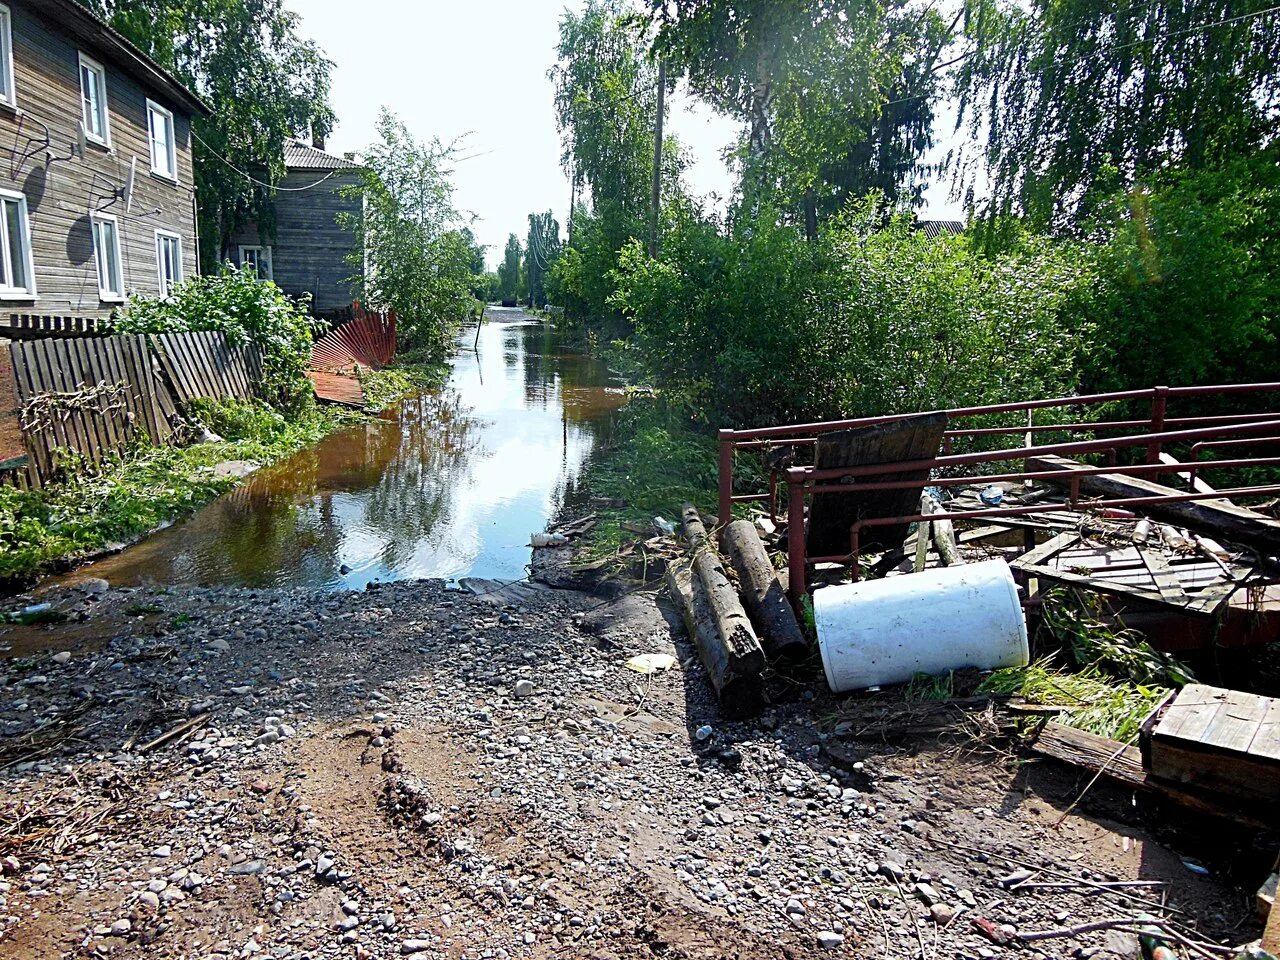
82 143
128 184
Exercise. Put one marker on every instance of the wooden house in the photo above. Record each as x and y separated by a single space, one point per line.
96 189
308 249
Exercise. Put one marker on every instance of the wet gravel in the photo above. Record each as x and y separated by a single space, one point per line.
414 771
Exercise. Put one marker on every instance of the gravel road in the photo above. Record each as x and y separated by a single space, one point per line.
418 772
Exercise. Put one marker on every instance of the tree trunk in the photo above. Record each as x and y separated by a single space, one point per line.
730 649
734 672
762 592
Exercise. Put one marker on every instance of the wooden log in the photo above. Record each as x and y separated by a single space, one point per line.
734 672
1216 517
762 593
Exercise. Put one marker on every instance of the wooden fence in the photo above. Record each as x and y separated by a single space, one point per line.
89 397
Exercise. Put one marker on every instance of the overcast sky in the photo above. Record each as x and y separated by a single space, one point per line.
479 67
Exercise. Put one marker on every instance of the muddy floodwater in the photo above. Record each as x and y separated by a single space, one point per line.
448 484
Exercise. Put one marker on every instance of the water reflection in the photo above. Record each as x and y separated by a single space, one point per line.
448 485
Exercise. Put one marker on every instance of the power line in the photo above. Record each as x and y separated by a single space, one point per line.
260 183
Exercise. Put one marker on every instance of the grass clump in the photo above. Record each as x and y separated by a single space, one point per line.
143 488
382 388
1097 703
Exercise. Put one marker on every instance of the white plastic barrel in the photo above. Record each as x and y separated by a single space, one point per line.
878 632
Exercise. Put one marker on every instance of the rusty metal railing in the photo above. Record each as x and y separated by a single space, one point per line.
1154 434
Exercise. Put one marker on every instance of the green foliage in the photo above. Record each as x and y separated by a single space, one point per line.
1075 622
382 388
542 249
140 490
1096 702
1189 271
1069 98
412 254
263 82
835 98
246 309
761 327
511 275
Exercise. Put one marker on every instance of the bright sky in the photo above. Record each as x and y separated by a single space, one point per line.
479 67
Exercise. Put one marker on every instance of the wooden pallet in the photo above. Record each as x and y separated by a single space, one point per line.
1195 584
1223 741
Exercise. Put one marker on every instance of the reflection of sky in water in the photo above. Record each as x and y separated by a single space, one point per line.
451 486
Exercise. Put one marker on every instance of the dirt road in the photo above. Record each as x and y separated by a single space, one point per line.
416 772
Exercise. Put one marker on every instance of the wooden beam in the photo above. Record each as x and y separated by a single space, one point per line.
1196 484
1220 517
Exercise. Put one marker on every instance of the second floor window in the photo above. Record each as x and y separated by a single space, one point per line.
106 248
164 156
93 95
7 93
168 261
17 278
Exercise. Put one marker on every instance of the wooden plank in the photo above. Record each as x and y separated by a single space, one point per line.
1165 579
1191 712
97 424
1266 742
1236 722
832 515
1215 517
1038 555
1197 485
38 469
13 446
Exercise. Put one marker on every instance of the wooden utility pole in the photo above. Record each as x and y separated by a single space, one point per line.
656 200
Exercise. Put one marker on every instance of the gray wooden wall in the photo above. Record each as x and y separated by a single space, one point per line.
309 250
62 192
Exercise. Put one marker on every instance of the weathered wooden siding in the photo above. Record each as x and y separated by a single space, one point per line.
309 251
61 192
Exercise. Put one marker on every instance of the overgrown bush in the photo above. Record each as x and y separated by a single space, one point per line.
245 309
1189 271
761 326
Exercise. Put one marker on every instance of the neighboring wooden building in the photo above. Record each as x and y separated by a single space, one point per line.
96 194
309 251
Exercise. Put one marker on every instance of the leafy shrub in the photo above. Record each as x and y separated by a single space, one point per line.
760 326
1189 271
245 309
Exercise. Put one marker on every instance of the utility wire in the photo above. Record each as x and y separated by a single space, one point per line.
260 183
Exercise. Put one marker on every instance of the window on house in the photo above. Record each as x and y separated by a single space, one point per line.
106 248
258 258
168 261
164 155
7 92
17 277
93 94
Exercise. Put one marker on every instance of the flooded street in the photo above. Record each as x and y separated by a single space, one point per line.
447 484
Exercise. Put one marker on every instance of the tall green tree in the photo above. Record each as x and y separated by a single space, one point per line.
1068 100
264 83
511 270
542 250
411 254
835 97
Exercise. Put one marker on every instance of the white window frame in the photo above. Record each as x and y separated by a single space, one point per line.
6 56
103 292
166 292
264 256
95 67
17 293
167 114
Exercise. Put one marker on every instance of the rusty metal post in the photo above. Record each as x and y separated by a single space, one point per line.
726 477
796 585
1159 404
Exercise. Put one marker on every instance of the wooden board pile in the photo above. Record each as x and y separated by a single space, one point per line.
737 614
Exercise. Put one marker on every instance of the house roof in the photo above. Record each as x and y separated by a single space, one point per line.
936 228
301 156
85 25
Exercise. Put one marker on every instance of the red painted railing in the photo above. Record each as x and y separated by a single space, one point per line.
1152 435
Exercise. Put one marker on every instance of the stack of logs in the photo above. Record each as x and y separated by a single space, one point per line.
737 615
